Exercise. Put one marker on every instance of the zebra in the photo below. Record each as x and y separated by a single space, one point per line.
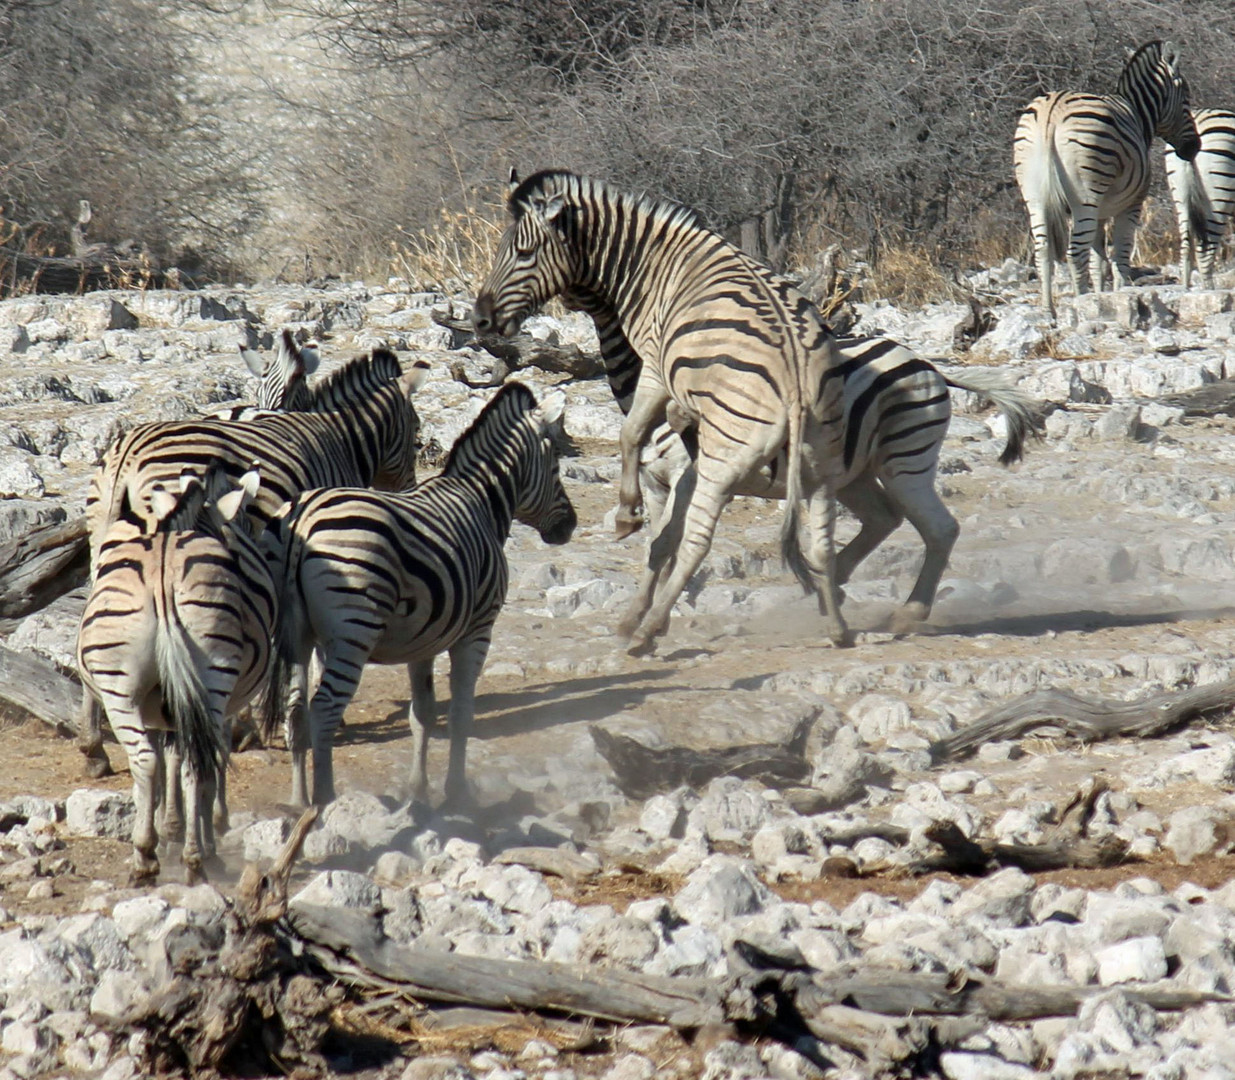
1087 155
743 368
175 636
1203 191
667 456
400 577
282 387
370 436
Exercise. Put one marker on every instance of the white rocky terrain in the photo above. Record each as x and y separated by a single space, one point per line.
1104 565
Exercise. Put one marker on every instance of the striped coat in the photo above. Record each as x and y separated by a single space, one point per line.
174 638
1203 191
391 578
1086 156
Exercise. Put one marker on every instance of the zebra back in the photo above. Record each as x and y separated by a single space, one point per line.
368 437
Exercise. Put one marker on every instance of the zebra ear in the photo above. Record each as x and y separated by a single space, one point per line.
231 504
1170 57
310 355
252 359
414 379
512 181
550 411
162 502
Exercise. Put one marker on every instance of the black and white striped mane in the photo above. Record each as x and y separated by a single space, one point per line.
513 399
355 381
584 189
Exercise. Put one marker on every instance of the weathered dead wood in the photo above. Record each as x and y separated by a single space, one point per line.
1209 399
1086 719
642 772
40 690
106 269
519 351
350 939
42 565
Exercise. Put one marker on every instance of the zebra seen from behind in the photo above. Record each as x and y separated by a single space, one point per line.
391 578
902 450
368 436
1203 191
742 366
174 638
1087 156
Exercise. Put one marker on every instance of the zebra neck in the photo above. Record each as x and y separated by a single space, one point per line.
492 479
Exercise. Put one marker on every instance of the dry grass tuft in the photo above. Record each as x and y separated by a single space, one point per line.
911 274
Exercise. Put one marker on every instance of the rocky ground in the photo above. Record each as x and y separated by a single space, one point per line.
1103 565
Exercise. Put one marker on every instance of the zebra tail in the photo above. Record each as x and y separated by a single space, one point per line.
187 704
1196 205
289 629
1055 209
1022 413
790 540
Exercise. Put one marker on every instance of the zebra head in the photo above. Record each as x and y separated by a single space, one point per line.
283 387
534 260
1153 83
543 502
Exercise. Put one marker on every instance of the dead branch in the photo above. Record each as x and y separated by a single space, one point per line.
519 351
42 565
106 269
1086 719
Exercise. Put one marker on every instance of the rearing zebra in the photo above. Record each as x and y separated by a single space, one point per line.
904 447
393 578
1087 155
743 366
1203 191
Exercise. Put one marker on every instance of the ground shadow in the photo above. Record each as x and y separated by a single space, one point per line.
1033 625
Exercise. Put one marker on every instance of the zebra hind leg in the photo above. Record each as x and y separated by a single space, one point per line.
661 551
90 737
916 496
145 761
878 517
422 716
822 563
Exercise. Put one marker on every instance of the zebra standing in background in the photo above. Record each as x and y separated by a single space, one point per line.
1087 155
282 387
1203 191
399 578
866 361
174 638
365 433
744 369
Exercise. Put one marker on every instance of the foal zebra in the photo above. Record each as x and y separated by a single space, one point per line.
399 578
1087 155
175 637
368 436
1203 191
744 368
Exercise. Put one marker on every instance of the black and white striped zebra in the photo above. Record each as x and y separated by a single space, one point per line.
282 374
369 437
176 636
876 498
1203 191
739 362
1087 156
399 578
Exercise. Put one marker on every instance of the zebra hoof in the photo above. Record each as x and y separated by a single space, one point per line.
626 524
97 765
641 646
908 619
144 871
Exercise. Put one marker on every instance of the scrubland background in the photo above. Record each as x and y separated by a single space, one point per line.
258 139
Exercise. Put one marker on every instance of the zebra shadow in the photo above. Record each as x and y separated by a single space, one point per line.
536 706
1083 619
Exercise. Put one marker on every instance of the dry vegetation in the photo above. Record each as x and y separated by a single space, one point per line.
382 146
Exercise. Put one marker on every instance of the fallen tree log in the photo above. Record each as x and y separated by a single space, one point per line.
23 273
519 351
1086 719
37 688
42 565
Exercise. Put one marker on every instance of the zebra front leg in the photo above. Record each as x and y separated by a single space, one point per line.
646 411
422 716
822 563
467 660
661 551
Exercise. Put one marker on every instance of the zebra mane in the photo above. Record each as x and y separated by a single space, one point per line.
355 380
578 188
524 402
